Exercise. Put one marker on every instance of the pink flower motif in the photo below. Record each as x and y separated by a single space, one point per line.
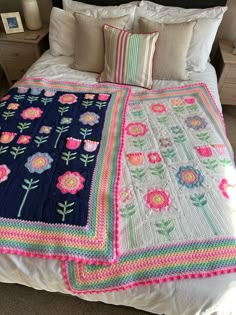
227 189
4 172
176 101
13 106
103 97
49 93
45 129
31 113
72 143
90 145
204 151
136 129
5 98
125 195
154 157
23 139
158 108
68 99
89 96
190 100
70 182
22 89
157 200
7 137
220 148
135 158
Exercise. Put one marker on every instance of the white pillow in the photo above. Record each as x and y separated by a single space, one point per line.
103 11
208 21
61 33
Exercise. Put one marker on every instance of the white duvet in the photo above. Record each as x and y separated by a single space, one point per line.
215 296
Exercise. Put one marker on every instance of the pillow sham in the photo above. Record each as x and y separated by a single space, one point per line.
61 33
128 57
103 11
208 21
89 48
172 49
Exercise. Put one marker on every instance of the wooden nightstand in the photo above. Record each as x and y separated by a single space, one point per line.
17 53
225 64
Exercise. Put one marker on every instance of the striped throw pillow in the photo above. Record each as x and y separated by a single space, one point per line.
128 57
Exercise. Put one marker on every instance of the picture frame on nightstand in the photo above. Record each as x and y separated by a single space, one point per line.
12 22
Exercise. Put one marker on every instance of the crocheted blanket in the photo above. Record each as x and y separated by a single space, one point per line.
60 153
177 197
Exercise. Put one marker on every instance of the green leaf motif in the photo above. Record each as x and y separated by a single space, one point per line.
63 109
128 211
32 99
139 114
19 97
2 104
210 164
140 143
179 109
15 151
86 103
193 108
100 104
23 126
28 186
68 156
3 149
170 154
138 173
85 132
157 170
180 139
225 162
86 158
60 130
46 100
64 209
204 136
40 140
165 227
162 120
8 114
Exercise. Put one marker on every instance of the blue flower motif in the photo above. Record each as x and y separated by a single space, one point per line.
196 122
35 91
89 118
189 177
38 163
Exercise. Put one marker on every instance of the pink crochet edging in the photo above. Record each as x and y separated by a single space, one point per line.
145 282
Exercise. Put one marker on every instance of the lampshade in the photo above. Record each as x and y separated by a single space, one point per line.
31 14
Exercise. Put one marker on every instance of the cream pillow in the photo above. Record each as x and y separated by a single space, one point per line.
172 48
103 11
89 46
61 33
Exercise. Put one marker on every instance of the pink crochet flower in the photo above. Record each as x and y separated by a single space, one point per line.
4 172
22 89
190 100
89 96
7 137
103 97
157 200
154 157
135 158
49 93
31 113
72 143
204 151
220 148
158 108
126 195
68 99
227 188
5 98
13 106
90 146
23 139
136 129
176 101
70 182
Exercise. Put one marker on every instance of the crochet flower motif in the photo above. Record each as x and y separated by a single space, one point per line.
23 139
68 99
22 89
204 151
103 97
7 137
158 108
4 172
66 120
154 157
39 162
157 200
35 91
90 146
220 148
190 100
176 101
31 113
165 142
89 118
136 129
13 106
227 189
49 93
70 182
135 158
196 122
45 129
189 177
72 143
125 195
5 98
89 96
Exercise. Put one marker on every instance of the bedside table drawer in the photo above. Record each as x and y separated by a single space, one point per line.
17 69
228 94
231 75
10 51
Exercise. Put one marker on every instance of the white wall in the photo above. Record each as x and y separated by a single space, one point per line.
227 28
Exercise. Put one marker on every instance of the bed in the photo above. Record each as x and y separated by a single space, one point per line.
209 290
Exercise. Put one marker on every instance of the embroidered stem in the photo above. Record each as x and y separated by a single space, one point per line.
27 186
186 152
64 209
127 212
60 131
214 230
131 232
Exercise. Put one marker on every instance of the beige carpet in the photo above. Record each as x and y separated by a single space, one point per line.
20 300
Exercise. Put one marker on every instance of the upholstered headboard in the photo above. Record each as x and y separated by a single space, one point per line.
174 3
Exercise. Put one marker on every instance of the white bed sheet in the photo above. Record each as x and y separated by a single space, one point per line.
186 297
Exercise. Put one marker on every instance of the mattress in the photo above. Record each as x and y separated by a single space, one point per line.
198 296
